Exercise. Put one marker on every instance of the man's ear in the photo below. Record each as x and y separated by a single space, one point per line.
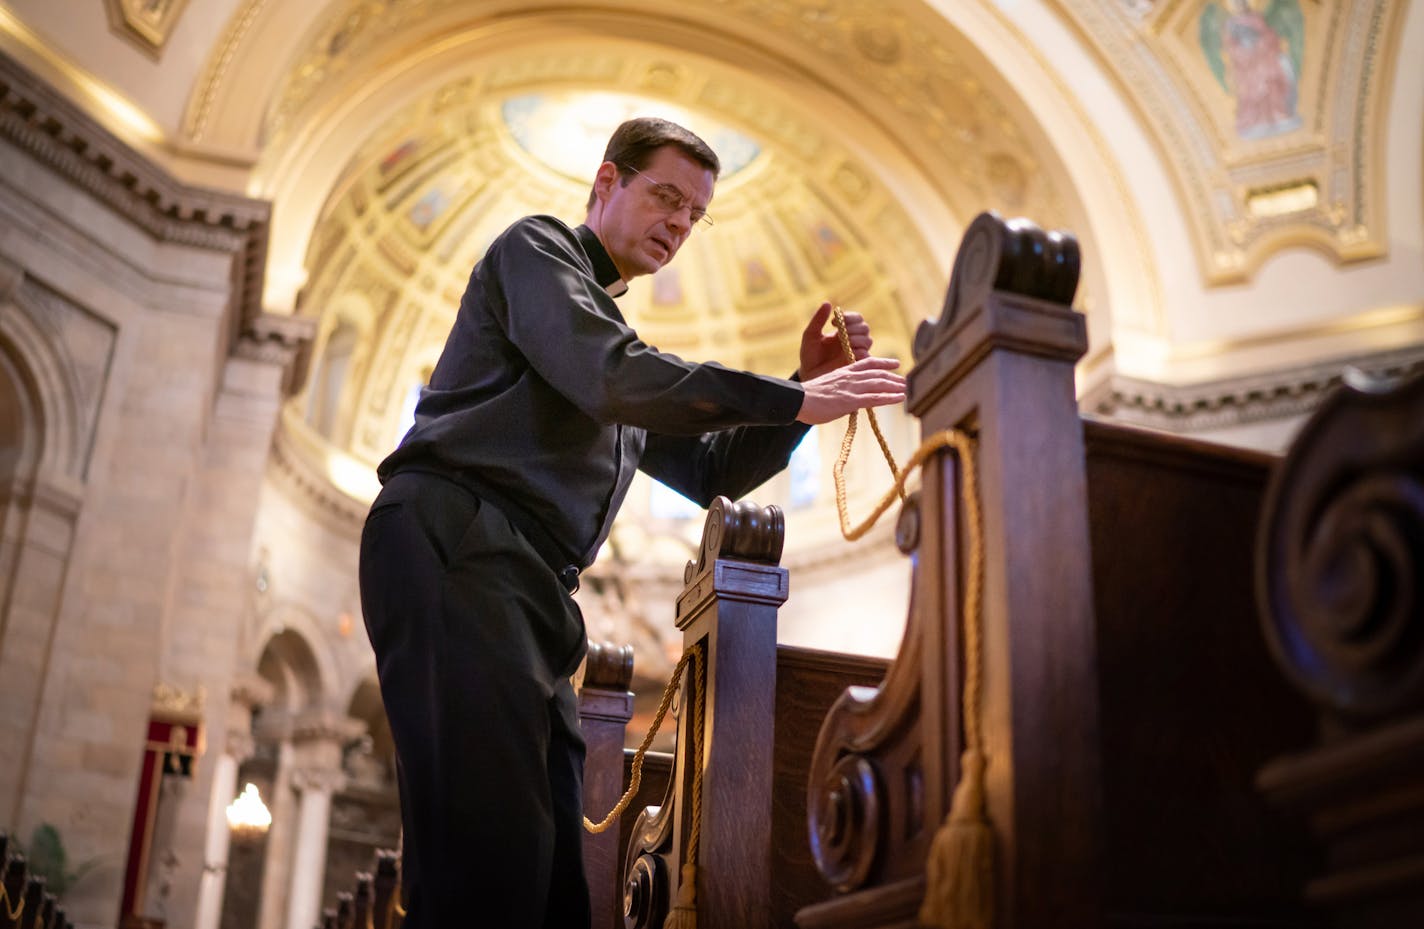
604 180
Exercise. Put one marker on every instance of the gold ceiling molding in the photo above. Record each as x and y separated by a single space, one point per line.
1269 151
215 72
147 24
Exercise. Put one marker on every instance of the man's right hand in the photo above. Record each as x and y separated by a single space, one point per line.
864 383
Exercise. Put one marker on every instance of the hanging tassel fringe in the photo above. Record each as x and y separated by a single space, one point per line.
959 891
684 911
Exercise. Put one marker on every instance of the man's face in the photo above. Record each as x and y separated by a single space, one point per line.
634 223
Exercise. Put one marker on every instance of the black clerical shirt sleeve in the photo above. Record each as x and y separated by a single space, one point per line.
571 333
730 462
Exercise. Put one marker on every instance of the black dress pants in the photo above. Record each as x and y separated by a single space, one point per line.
475 639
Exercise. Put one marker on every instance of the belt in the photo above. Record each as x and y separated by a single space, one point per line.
526 525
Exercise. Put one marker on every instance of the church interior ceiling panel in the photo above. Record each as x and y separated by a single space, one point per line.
1269 113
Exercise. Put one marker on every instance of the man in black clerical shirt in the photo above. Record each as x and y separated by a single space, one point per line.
541 406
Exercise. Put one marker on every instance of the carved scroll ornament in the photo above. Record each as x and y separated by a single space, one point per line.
1011 256
1341 563
741 530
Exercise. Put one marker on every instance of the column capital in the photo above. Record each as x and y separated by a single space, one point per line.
319 778
240 744
326 726
251 691
279 339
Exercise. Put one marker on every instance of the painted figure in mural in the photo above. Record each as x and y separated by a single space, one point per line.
1256 56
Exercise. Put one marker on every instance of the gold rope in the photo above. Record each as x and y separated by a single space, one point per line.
684 911
15 914
637 775
838 472
959 873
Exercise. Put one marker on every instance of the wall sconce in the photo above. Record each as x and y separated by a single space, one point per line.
248 816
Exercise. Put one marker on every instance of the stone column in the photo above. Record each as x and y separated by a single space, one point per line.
318 740
247 694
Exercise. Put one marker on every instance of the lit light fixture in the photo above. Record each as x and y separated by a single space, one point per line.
248 815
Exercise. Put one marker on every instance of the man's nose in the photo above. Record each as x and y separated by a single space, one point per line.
679 221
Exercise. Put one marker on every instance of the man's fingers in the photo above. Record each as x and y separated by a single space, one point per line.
872 362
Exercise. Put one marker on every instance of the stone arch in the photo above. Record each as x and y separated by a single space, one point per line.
42 410
42 449
295 659
365 705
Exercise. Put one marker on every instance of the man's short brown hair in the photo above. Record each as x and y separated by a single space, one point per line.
633 143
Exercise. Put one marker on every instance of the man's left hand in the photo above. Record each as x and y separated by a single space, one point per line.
822 353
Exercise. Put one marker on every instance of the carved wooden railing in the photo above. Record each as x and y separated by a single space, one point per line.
1341 585
728 609
373 903
998 364
24 901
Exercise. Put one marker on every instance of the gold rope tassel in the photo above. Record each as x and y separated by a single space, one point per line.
684 910
959 885
959 875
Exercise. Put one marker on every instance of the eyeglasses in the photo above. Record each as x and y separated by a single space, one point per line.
672 199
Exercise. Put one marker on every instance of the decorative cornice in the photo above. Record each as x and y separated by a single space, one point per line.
1278 394
280 339
39 120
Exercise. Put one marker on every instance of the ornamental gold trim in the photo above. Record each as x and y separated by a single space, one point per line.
147 24
174 704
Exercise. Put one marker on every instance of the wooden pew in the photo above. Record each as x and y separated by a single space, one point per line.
1341 586
727 612
1126 694
24 901
808 683
605 706
372 902
765 705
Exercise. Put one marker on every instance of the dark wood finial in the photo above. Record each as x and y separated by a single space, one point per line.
739 530
1340 556
609 666
1011 256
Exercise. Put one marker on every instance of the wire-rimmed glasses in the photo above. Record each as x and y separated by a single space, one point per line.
672 199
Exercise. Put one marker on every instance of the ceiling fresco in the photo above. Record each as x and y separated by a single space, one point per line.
1268 112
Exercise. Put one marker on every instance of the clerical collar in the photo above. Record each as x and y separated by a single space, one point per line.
604 270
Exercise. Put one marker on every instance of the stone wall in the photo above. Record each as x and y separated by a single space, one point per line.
139 386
